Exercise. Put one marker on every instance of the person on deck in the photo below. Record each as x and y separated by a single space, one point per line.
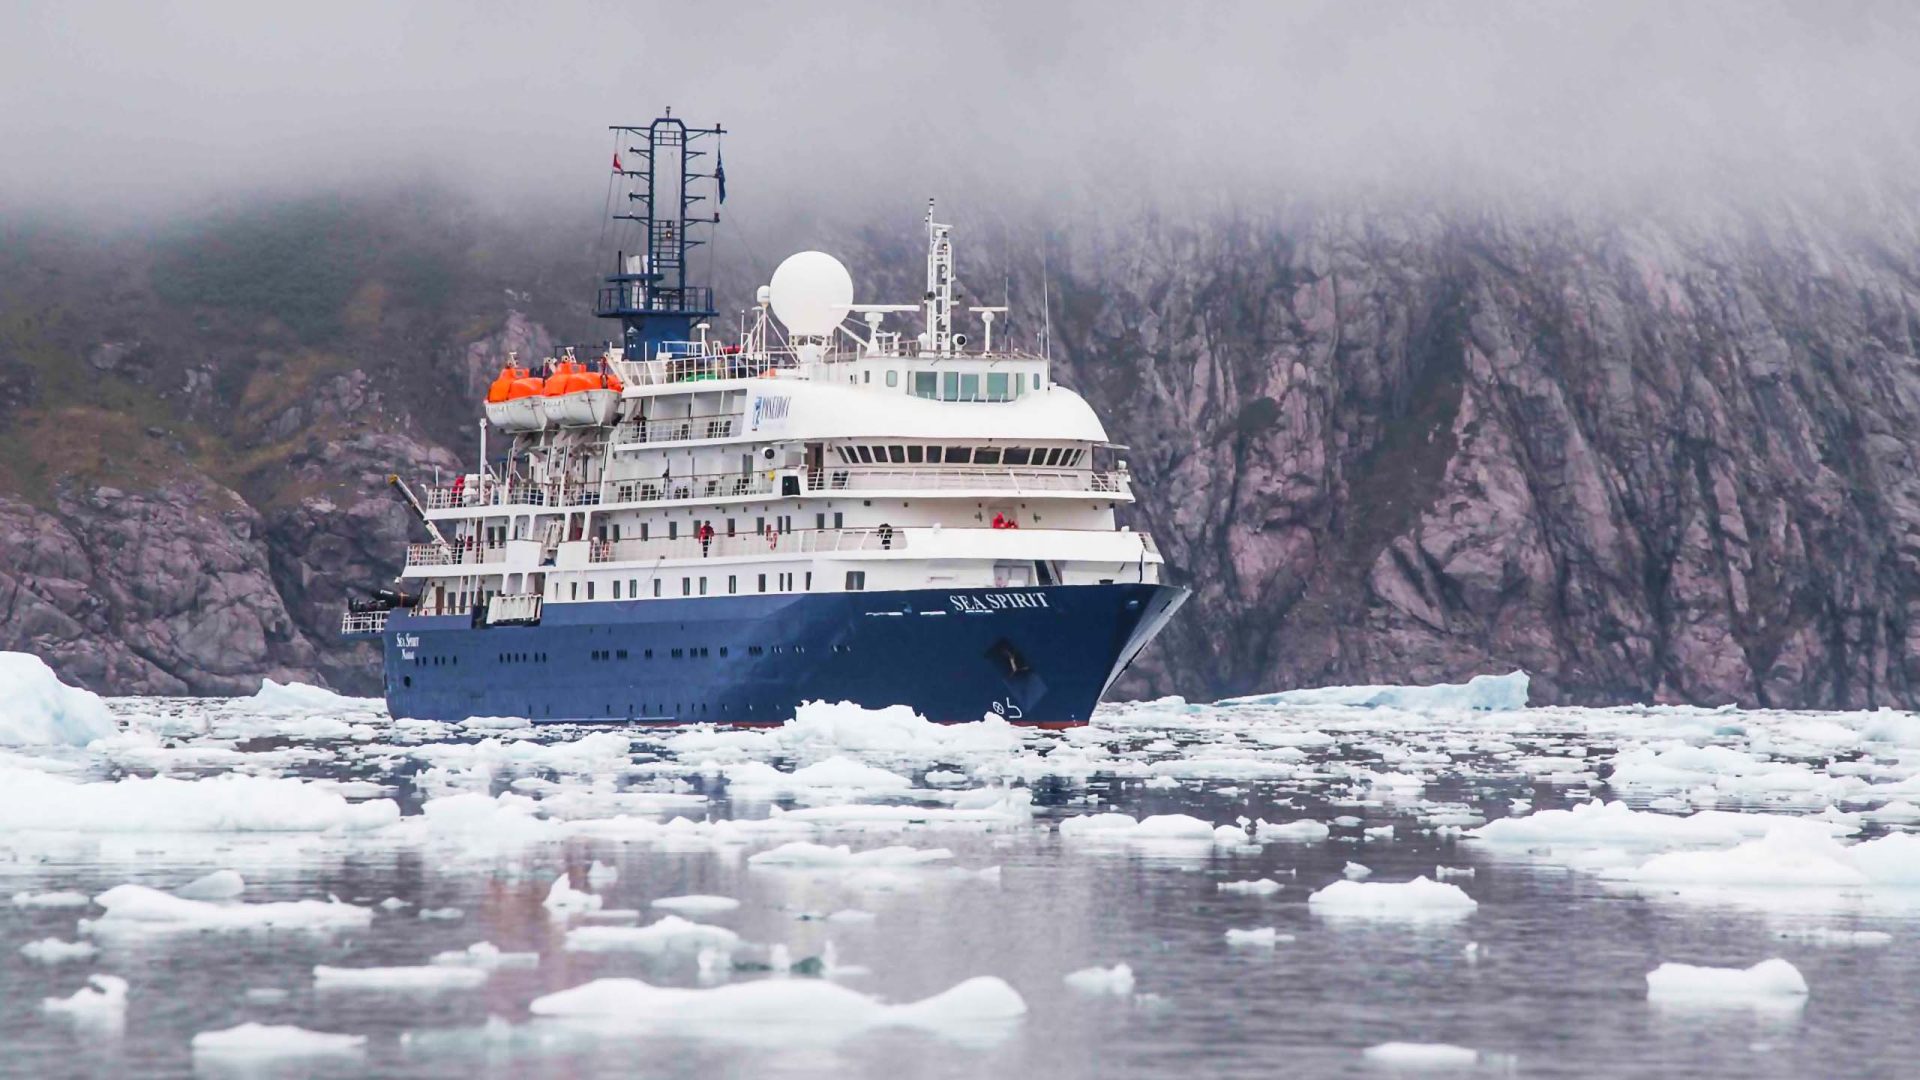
705 532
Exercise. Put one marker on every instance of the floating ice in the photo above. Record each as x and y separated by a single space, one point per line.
135 908
671 934
697 905
601 874
819 729
32 800
1262 887
835 773
254 1041
219 885
486 956
802 853
1116 980
55 951
803 1008
1408 1055
1303 831
1158 827
37 709
276 697
1420 898
428 978
1263 938
1768 982
1356 872
1596 822
1482 692
104 993
563 899
63 898
1820 935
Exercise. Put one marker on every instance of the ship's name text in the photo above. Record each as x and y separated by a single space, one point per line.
997 601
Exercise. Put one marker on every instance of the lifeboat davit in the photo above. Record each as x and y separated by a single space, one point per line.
513 400
577 397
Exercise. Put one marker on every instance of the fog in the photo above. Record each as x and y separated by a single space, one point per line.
150 110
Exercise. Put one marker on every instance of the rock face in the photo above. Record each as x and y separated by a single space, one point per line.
1644 462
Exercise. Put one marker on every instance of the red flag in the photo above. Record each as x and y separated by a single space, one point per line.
616 161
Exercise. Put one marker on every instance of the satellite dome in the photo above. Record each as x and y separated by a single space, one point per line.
810 293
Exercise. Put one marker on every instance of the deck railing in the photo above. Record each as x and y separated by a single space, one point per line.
363 622
799 541
935 478
454 554
676 429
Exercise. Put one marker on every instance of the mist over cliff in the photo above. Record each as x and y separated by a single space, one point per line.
1445 340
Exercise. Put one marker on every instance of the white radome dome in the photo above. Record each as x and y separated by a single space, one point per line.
810 293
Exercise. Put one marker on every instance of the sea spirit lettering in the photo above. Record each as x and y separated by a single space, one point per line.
770 411
407 641
996 601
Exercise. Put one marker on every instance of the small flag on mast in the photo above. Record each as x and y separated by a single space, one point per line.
720 175
616 161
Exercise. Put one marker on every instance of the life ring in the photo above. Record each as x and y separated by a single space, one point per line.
773 539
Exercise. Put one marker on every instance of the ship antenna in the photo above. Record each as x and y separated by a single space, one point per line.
1046 305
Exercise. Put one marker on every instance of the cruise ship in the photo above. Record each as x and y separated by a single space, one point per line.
837 501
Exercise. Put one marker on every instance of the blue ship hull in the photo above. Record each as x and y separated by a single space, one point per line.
1035 655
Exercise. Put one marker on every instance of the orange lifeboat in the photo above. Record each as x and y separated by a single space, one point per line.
584 399
513 400
502 386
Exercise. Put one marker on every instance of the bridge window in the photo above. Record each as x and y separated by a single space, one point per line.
897 454
1019 383
865 453
997 386
970 387
987 455
1017 455
893 378
925 383
958 455
914 455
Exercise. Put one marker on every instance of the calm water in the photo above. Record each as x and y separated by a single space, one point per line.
1547 977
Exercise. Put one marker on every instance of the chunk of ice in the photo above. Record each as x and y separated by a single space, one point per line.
55 951
1262 887
815 1007
486 956
1356 872
1410 1055
1481 693
219 885
60 899
1116 980
802 853
103 993
1263 938
37 709
255 1041
697 905
136 908
671 934
1420 898
427 978
1303 831
1767 982
33 800
277 697
563 899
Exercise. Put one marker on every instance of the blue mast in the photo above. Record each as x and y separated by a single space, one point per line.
648 292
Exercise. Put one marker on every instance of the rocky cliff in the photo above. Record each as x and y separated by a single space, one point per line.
1645 459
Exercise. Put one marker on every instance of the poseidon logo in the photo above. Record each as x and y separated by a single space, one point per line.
770 410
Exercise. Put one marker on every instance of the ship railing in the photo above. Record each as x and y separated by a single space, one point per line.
707 362
676 429
1017 481
697 487
454 554
771 542
363 622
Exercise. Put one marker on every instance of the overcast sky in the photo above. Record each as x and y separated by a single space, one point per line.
163 107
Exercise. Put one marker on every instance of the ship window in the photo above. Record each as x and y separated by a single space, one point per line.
1077 455
957 455
723 651
866 376
732 586
760 526
1047 455
703 586
836 519
616 588
949 386
686 586
729 526
970 387
820 521
763 583
1018 455
866 454
856 580
616 533
914 455
893 378
656 586
997 386
842 451
809 586
643 530
897 454
576 591
673 530
589 590
1019 383
633 589
924 384
987 455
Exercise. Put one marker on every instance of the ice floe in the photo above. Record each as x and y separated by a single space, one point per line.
1482 692
697 905
670 934
103 994
1769 982
58 899
218 885
1260 887
55 951
139 909
1265 937
486 956
426 978
303 697
37 709
1410 1055
1420 898
794 1009
1116 980
33 800
260 1041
